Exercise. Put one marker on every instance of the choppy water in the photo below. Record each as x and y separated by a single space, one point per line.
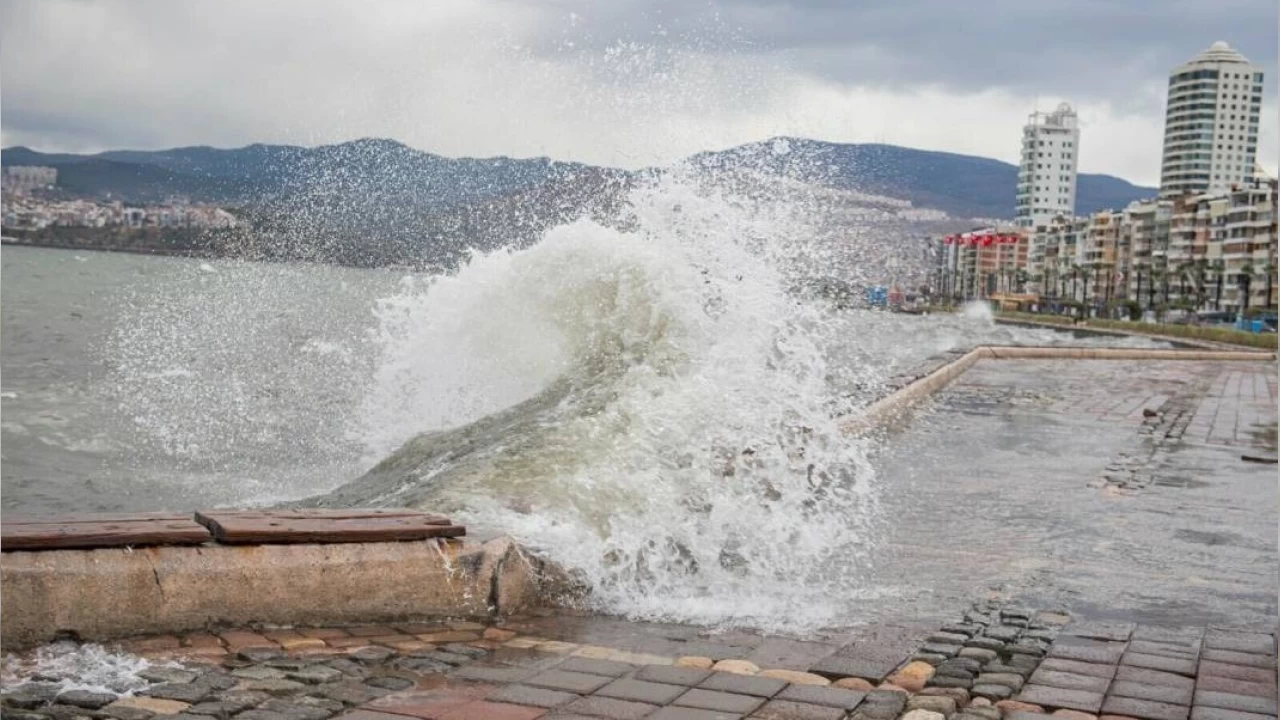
651 406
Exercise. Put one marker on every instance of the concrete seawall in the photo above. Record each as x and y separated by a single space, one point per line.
116 592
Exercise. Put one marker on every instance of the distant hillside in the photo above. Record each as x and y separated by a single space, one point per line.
389 175
961 185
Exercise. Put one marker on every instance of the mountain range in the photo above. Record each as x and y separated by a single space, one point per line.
388 174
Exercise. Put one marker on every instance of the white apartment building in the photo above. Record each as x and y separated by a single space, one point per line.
1047 171
1211 124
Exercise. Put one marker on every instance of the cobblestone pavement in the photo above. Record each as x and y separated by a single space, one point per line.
995 662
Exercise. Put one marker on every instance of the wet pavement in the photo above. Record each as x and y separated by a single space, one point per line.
1113 489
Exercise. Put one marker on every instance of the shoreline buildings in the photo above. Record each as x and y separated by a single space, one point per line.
1211 124
1047 170
1207 243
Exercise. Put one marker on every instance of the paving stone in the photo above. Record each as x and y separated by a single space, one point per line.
293 710
389 682
472 652
1009 680
149 705
483 710
880 705
535 696
1145 709
966 663
966 629
162 674
817 695
743 684
1233 701
935 648
931 658
985 643
646 692
257 672
113 711
1230 657
788 710
371 655
999 667
1054 697
260 654
1238 672
612 708
1069 681
719 701
1182 666
86 699
1027 662
314 675
933 703
1255 643
982 655
273 686
1087 650
987 712
594 666
183 692
687 713
947 638
1147 647
31 695
1212 713
672 675
1153 677
1146 691
1237 687
991 691
566 681
1026 646
1189 636
346 692
260 715
923 715
1047 635
874 668
948 681
1113 631
492 674
1003 633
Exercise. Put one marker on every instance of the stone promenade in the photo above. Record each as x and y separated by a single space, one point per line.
995 662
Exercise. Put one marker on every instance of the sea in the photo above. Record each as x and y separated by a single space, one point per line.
651 404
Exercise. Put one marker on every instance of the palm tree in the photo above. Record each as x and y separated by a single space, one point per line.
1200 282
1084 293
1245 278
1269 269
1217 266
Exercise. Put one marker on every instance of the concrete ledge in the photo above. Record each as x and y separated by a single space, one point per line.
117 592
1046 353
894 407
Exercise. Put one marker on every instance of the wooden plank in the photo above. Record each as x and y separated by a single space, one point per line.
88 534
62 518
308 527
335 514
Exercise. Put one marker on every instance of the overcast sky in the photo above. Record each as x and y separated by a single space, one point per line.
620 82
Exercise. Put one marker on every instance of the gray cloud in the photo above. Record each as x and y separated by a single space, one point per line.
625 82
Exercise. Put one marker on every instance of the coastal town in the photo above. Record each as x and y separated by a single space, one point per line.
30 201
1204 248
